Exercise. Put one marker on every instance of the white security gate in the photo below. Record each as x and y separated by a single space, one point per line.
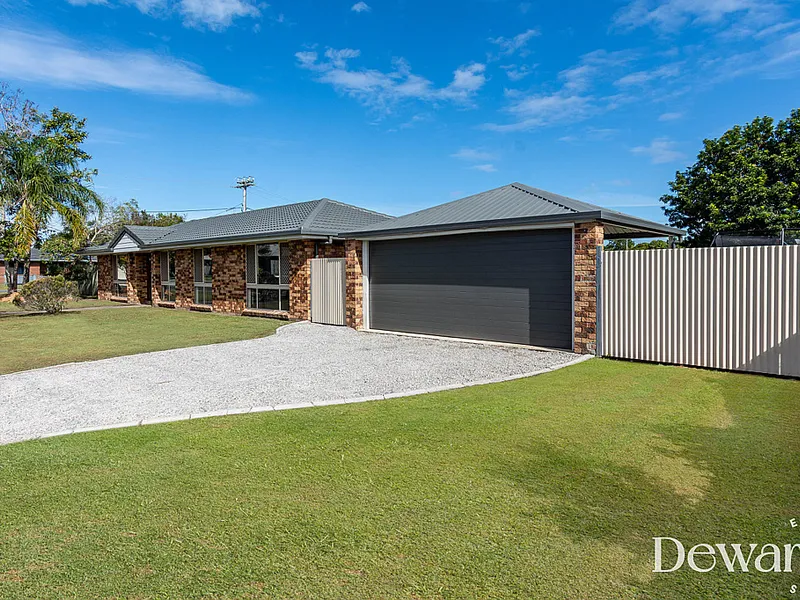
724 308
328 290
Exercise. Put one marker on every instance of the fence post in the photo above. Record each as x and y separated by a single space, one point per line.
598 278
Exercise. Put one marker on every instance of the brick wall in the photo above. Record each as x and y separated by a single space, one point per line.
105 276
184 278
334 250
36 269
588 236
300 254
228 279
138 278
155 276
354 299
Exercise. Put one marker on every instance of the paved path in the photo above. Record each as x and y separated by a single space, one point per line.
302 364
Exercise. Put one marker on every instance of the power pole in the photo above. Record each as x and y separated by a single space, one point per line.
243 183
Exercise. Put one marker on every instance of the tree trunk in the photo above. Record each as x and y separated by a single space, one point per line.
11 274
26 275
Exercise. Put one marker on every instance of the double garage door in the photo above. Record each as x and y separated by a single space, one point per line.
507 287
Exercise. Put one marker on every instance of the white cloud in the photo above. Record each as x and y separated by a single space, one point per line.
671 15
539 110
517 73
360 7
487 168
339 58
670 116
473 155
572 102
516 44
591 65
380 90
58 61
660 150
642 77
216 15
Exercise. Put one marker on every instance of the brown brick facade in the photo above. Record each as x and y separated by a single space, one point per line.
184 278
300 254
588 236
228 279
138 278
155 277
354 290
105 277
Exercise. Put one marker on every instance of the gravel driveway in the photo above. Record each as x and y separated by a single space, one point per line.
302 363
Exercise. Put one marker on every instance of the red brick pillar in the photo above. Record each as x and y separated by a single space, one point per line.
354 286
228 279
105 277
184 278
300 254
138 278
588 236
155 277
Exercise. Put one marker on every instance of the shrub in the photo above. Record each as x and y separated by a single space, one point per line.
49 294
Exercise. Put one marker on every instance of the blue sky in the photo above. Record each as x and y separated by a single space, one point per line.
397 105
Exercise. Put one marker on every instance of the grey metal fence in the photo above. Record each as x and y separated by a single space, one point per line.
734 308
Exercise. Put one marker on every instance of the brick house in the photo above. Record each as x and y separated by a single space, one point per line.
514 264
37 268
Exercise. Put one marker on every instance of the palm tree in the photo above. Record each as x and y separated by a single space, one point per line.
39 181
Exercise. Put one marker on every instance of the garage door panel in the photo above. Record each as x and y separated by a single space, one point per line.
513 287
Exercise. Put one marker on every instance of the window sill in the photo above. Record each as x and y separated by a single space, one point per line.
271 314
164 304
200 307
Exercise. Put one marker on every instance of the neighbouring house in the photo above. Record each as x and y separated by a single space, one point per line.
513 264
37 268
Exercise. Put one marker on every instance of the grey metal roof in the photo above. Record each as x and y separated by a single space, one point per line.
322 217
513 204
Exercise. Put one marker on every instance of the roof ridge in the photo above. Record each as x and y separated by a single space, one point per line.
527 190
313 214
359 208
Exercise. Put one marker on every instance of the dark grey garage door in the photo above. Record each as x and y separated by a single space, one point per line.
506 287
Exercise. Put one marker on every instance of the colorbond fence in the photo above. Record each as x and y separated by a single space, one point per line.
724 308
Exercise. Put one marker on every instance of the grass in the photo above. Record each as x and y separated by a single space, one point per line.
549 487
84 303
41 341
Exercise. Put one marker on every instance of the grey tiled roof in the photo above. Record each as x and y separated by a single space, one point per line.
513 204
316 217
146 233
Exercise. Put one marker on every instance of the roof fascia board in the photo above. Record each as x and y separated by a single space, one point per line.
642 224
516 223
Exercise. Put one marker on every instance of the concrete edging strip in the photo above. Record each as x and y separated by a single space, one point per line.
277 407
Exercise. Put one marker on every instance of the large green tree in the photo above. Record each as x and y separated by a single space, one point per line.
748 180
42 176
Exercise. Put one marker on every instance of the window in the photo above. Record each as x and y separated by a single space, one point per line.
168 276
120 287
268 277
202 277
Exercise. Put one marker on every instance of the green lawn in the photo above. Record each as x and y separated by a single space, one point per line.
86 303
550 487
36 341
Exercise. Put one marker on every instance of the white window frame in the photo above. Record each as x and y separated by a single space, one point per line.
120 281
268 286
169 283
203 285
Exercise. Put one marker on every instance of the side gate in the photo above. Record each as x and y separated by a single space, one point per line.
328 291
